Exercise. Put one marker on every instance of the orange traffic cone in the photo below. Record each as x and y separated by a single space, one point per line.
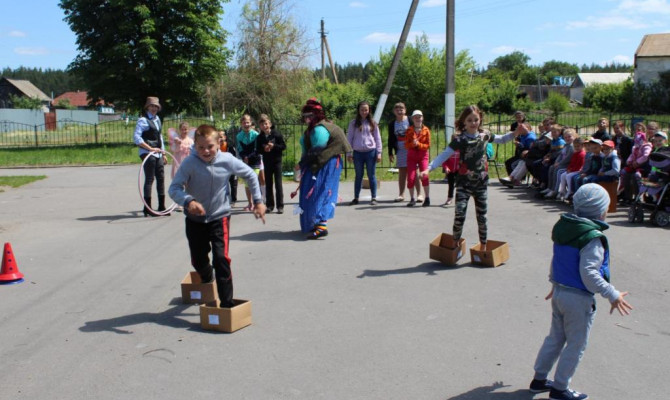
10 272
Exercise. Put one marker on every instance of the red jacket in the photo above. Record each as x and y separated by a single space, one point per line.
576 161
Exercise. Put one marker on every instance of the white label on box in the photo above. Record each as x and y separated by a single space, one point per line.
196 295
477 259
460 254
213 319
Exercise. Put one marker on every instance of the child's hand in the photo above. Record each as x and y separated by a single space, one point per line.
550 295
424 174
621 305
195 208
379 158
259 211
391 157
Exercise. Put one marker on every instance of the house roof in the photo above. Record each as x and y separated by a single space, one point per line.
27 88
76 99
587 78
654 45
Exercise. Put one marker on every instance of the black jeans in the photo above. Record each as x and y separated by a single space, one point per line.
273 176
153 168
212 236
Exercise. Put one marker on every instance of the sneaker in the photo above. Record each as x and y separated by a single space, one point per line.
280 210
399 199
540 386
566 394
373 202
317 233
550 194
353 202
419 199
411 203
545 191
426 202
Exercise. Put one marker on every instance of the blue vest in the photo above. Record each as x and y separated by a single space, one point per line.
565 265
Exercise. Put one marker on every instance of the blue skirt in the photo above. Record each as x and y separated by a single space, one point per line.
318 194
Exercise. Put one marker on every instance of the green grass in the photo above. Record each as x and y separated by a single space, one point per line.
74 155
17 181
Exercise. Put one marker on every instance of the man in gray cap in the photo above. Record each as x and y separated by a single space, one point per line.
580 267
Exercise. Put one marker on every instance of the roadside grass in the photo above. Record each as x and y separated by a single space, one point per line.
69 156
17 181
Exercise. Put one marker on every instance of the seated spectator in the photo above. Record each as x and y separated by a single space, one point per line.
541 167
560 165
592 163
574 168
602 134
519 171
611 165
622 142
637 167
523 141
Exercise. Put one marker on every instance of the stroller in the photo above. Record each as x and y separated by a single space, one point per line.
654 192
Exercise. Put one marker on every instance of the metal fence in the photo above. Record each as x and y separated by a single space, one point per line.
69 133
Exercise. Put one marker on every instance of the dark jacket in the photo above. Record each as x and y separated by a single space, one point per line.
338 144
274 155
624 147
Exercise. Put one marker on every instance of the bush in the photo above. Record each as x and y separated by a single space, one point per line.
557 103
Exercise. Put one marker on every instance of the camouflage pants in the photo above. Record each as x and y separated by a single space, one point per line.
478 190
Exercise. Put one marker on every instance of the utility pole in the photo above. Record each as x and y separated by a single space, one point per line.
396 60
450 96
324 43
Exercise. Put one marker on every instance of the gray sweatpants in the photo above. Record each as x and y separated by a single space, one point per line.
573 311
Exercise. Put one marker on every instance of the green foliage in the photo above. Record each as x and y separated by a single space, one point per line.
270 77
511 64
419 81
65 104
32 103
608 97
557 103
553 68
613 67
500 96
349 72
132 49
339 101
19 180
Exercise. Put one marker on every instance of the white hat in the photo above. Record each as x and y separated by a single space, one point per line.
417 112
152 101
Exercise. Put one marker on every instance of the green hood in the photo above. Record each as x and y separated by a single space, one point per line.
576 231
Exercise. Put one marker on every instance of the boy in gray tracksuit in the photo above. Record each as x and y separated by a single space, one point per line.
201 186
580 267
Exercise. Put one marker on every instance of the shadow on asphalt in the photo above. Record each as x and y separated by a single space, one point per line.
130 215
263 236
429 268
488 393
169 317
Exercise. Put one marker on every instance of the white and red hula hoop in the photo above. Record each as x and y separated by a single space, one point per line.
141 191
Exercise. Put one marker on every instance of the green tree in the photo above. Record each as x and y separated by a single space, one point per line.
512 64
32 103
552 69
132 49
270 76
557 103
339 101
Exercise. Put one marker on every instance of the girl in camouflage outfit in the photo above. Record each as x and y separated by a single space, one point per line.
472 173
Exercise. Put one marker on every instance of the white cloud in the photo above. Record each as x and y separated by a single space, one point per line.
433 3
621 59
31 51
16 34
436 39
628 14
357 4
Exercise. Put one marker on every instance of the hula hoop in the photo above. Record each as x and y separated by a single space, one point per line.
141 189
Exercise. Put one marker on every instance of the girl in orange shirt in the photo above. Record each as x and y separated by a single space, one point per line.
417 143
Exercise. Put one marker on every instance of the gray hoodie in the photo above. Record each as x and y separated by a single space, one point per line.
207 183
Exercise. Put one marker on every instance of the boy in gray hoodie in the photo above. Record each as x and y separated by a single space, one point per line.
201 187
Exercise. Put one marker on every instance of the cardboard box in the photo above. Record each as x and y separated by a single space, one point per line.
193 291
366 183
445 250
496 253
229 320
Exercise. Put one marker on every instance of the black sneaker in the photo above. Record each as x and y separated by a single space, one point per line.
541 386
280 210
411 203
373 202
567 394
426 202
353 202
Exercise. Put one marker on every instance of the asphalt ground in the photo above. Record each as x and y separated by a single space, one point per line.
362 314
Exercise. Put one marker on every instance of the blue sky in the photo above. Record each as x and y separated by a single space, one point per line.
33 33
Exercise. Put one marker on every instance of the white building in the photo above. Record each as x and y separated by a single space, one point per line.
584 80
652 57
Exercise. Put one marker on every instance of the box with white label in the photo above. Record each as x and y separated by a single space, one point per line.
495 254
193 291
228 320
445 249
